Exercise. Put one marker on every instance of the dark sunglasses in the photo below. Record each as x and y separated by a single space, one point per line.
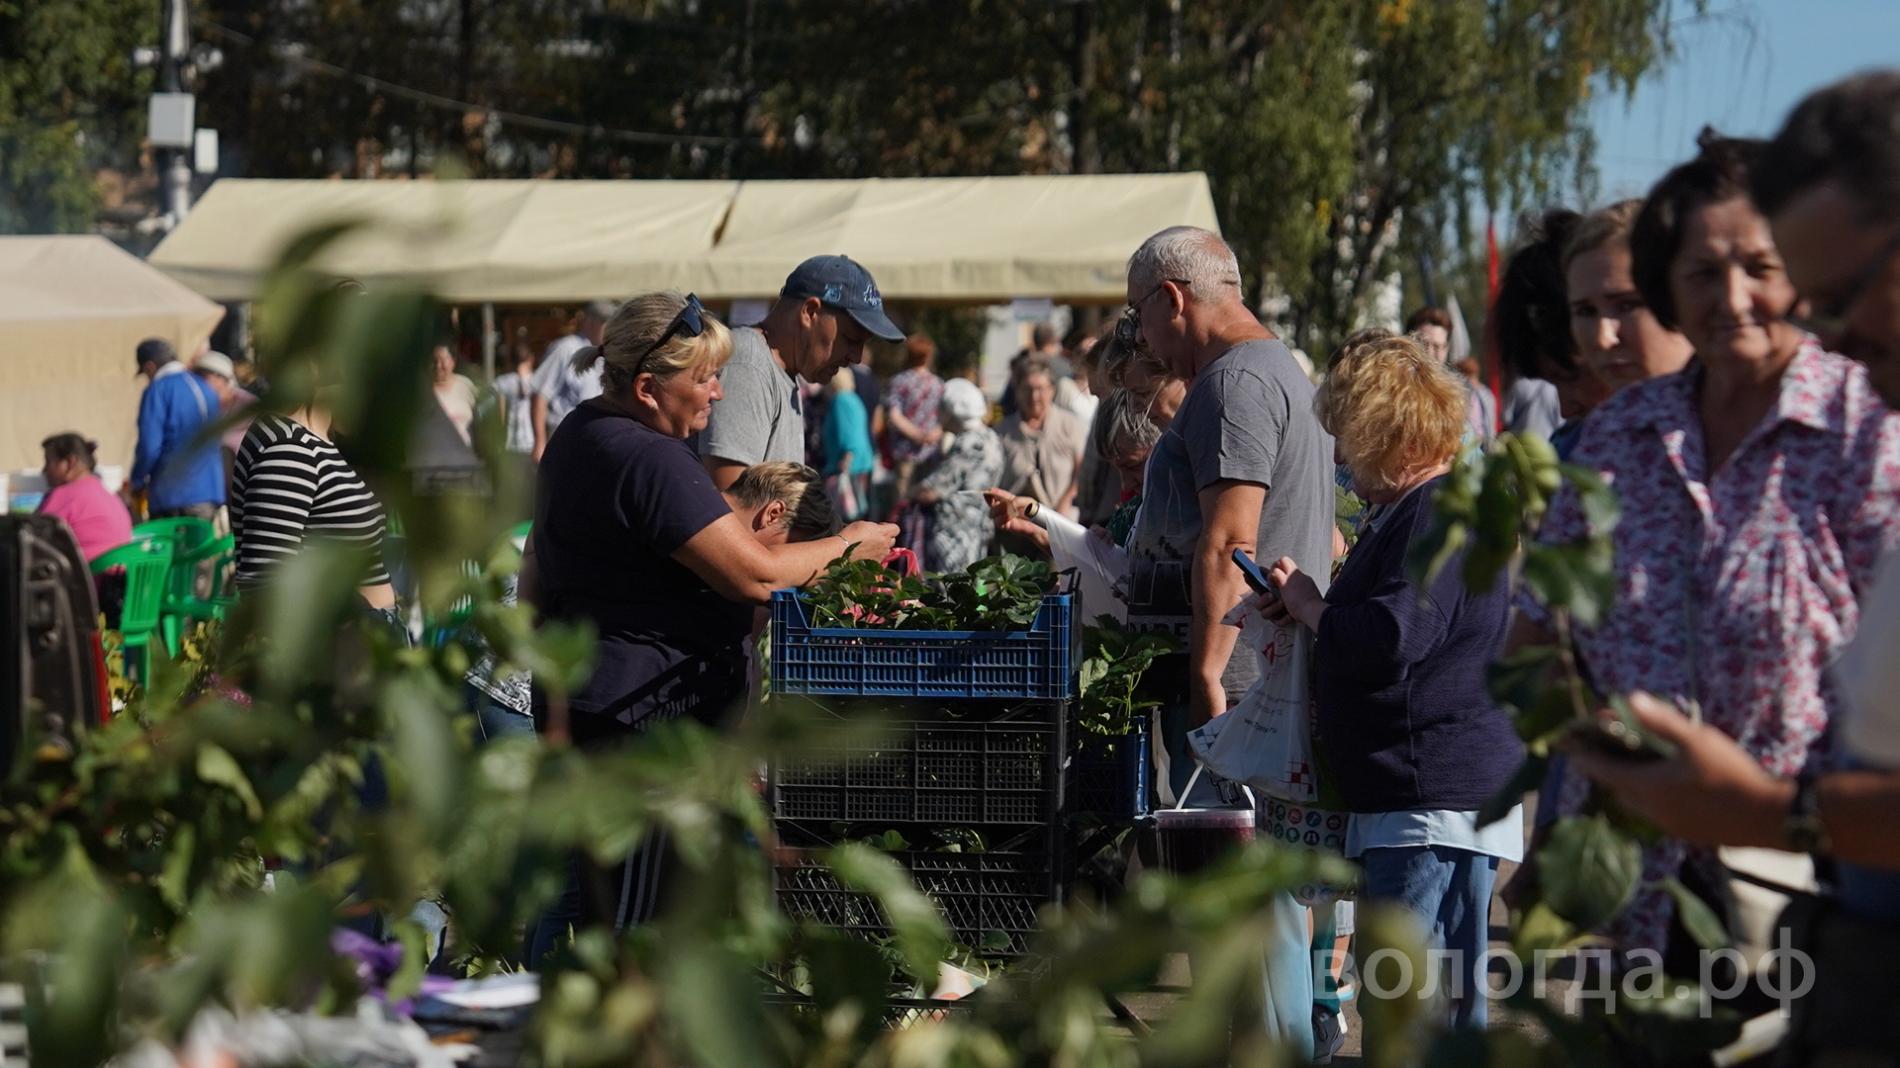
690 322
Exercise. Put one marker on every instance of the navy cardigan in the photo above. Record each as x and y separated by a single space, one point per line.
1404 718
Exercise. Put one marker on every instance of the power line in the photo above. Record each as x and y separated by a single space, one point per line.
514 118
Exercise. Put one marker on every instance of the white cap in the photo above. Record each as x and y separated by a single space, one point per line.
215 363
964 403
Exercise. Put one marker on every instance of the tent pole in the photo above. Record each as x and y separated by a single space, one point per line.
488 339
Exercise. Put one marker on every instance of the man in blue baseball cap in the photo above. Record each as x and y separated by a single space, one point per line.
828 308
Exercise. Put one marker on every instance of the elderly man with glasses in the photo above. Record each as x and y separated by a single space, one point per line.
1243 465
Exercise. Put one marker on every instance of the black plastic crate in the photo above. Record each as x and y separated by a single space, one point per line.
988 900
899 1012
943 771
1109 775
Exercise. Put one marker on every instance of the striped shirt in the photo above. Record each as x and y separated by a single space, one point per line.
291 486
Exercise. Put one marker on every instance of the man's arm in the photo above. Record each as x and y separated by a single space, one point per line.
1230 519
151 441
724 472
539 407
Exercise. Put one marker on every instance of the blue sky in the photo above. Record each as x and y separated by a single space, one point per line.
1740 67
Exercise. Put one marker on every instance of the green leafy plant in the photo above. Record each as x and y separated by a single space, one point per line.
1115 661
999 593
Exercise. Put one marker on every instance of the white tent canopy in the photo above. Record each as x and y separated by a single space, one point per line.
72 312
504 241
1066 238
973 240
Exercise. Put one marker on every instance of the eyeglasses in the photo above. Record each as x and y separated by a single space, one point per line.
1128 330
1830 322
691 322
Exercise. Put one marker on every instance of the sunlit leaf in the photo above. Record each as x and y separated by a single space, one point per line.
916 925
1588 870
1698 919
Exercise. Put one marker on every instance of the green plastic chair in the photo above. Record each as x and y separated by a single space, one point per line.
147 563
186 532
182 601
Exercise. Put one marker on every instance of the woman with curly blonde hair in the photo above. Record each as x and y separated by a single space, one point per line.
1409 732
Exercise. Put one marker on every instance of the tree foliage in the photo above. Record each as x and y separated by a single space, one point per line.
1343 139
71 101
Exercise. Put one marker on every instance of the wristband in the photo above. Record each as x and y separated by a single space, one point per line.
1802 825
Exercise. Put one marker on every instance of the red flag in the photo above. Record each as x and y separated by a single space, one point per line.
1493 368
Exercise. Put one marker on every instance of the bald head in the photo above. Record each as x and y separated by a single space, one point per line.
1196 259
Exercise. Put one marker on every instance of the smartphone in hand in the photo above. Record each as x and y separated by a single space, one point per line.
1256 578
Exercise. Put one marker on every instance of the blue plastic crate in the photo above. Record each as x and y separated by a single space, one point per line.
1033 664
1109 776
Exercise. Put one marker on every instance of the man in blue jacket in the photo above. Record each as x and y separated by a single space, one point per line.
177 462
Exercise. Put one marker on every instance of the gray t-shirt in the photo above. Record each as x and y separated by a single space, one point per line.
1531 407
1248 417
561 383
761 418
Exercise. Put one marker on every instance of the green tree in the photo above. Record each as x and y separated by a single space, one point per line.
1344 140
70 101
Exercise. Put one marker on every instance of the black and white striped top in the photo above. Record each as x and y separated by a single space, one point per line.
290 486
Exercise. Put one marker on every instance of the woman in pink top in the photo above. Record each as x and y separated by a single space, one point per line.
99 519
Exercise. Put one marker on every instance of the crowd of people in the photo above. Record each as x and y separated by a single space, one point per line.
1722 353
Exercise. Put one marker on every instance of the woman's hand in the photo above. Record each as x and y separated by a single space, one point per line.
925 495
1005 506
1710 793
1010 513
869 541
1300 600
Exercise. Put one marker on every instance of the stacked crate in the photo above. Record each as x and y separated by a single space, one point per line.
934 735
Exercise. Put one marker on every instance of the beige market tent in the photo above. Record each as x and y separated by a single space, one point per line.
474 242
72 310
930 239
970 240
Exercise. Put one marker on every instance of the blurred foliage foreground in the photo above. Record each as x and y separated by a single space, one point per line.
133 871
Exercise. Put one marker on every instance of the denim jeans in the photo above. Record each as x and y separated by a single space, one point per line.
493 719
1450 892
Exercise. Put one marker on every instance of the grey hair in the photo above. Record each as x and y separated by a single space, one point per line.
1129 428
1188 254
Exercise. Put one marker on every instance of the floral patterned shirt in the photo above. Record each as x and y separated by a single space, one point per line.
918 394
1735 589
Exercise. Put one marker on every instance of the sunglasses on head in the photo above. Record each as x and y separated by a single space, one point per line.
690 322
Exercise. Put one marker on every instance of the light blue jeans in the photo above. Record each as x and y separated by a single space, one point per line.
1450 892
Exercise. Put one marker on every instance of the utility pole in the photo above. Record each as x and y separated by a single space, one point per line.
173 49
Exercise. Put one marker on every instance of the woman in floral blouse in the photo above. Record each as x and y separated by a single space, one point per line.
1758 489
970 463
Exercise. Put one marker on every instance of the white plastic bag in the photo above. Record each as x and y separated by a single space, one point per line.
1265 741
1100 566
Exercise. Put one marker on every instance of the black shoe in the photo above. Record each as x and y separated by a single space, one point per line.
1329 1034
